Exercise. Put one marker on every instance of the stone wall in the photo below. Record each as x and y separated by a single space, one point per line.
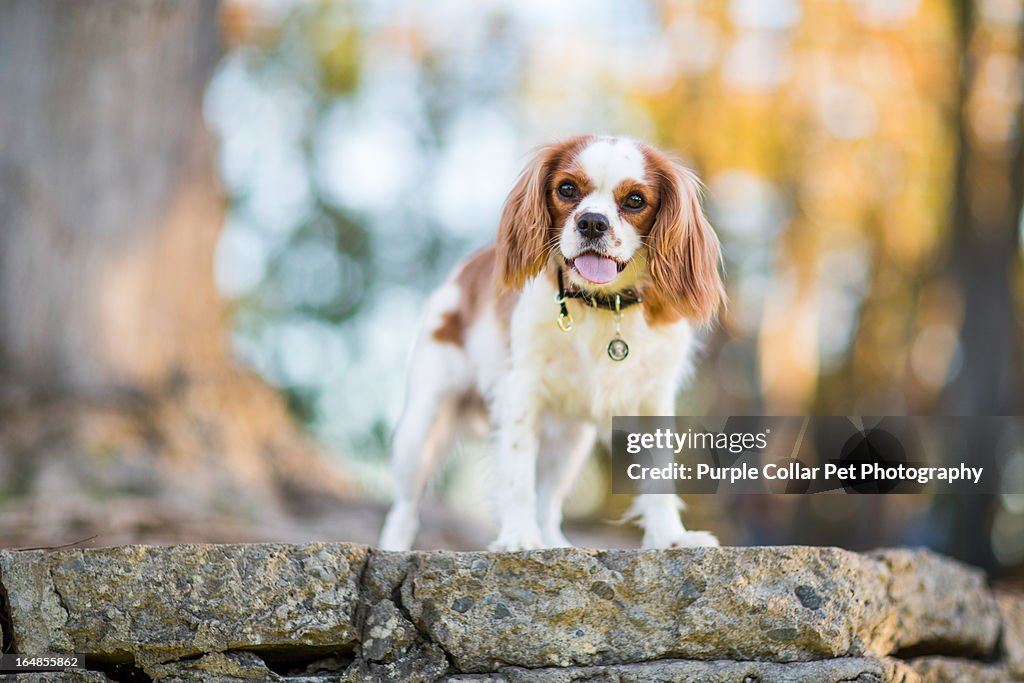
330 612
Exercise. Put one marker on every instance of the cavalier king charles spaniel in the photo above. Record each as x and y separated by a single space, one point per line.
583 309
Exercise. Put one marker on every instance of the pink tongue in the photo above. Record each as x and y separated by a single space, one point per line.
597 269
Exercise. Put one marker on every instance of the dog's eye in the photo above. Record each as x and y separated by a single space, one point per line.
567 190
633 201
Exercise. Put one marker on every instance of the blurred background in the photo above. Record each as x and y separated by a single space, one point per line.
218 224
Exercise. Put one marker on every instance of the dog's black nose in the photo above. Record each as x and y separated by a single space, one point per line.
592 224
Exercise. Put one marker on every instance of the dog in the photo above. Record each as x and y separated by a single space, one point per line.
584 308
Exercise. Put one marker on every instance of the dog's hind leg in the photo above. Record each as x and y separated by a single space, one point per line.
424 434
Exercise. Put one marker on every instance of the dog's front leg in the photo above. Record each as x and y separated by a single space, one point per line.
659 512
518 439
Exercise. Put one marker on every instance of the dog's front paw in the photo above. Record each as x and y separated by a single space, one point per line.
554 538
517 540
680 539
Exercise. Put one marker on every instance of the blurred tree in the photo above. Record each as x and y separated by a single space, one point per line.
983 259
121 411
983 256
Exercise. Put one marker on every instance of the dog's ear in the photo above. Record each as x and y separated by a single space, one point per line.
683 253
525 227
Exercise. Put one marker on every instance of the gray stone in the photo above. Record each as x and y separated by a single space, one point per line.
235 667
950 670
340 612
393 650
848 669
229 667
1011 610
387 634
158 604
935 602
71 676
573 607
37 616
392 647
897 671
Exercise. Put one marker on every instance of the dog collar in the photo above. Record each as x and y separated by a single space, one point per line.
608 302
617 347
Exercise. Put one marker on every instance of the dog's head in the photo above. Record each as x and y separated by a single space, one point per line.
613 214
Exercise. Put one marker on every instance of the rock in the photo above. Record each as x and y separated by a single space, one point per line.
75 676
949 670
229 668
1011 609
941 605
393 650
158 604
571 607
897 671
387 634
35 612
342 612
849 670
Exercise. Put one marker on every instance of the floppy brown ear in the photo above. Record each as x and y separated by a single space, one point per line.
683 254
525 225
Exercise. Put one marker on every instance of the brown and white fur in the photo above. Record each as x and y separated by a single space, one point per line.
490 337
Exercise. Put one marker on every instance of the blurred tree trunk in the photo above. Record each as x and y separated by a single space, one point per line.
109 206
983 261
121 412
984 245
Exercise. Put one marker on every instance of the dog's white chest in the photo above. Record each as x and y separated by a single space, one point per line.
578 378
595 395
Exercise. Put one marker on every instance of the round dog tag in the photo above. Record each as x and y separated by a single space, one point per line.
618 349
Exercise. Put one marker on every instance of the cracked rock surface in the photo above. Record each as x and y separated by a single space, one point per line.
344 612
